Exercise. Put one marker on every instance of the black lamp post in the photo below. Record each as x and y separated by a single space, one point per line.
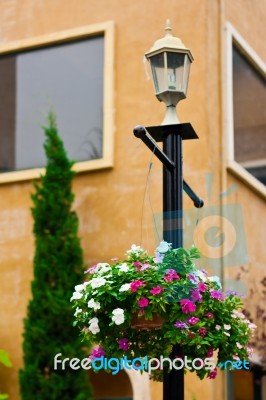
170 63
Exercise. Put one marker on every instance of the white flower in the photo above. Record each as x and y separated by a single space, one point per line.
97 282
226 333
79 288
218 327
78 311
124 287
200 275
94 327
76 296
238 345
118 311
164 247
103 267
94 304
135 250
123 267
227 327
118 316
215 279
94 321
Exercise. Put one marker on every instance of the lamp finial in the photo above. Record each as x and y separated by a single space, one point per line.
168 27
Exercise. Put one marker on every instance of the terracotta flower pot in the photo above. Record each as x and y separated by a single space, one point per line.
141 323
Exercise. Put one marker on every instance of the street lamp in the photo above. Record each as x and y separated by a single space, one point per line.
170 63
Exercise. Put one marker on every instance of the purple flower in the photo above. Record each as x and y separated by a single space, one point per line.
216 294
97 353
135 285
143 302
156 290
123 344
187 306
158 259
196 296
192 320
192 278
181 325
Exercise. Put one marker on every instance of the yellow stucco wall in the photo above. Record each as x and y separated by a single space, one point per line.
109 202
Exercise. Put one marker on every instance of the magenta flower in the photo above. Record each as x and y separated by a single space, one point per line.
156 290
202 287
171 275
212 374
181 325
210 352
209 315
143 302
216 294
97 353
196 296
137 264
187 306
123 344
135 285
192 320
202 332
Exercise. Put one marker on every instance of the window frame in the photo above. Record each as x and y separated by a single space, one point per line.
107 30
233 37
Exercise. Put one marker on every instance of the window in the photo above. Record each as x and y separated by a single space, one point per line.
70 72
245 119
249 102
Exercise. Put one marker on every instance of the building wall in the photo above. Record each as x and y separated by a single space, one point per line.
109 202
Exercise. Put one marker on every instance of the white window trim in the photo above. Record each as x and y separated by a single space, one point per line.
233 37
107 29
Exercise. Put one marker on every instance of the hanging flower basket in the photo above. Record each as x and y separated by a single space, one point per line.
141 306
141 323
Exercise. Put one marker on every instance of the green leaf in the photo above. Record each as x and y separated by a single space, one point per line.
4 358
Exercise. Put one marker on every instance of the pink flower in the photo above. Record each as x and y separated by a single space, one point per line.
97 353
210 352
145 266
137 264
171 275
212 374
202 332
202 287
143 302
187 306
209 315
135 285
91 270
123 344
156 290
192 320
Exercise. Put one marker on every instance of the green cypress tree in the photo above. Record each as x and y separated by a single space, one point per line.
58 266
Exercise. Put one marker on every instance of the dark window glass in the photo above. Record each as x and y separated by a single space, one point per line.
249 116
65 77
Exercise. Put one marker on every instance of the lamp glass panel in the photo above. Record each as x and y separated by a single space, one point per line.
175 71
158 72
